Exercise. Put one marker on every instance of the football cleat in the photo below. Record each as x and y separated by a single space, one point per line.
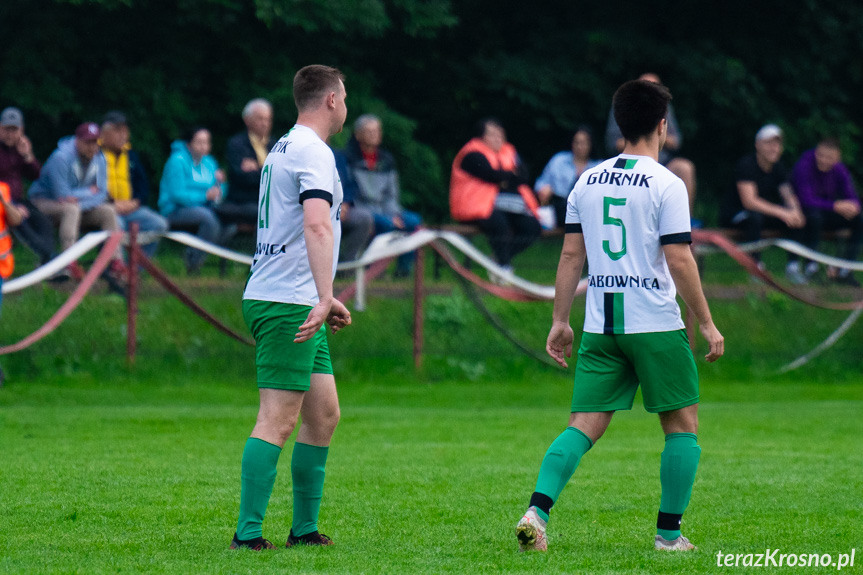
679 544
256 544
313 538
530 532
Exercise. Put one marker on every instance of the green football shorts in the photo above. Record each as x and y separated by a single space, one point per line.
610 368
281 363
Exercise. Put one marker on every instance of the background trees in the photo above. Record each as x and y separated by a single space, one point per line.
432 68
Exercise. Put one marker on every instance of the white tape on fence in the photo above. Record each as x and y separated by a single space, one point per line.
40 274
788 246
396 243
199 244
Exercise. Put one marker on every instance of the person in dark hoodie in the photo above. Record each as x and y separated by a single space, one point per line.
374 171
17 163
72 190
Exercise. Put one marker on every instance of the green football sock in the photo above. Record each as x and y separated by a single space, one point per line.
258 476
676 474
560 462
307 470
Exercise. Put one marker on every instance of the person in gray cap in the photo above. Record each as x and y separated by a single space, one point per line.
17 163
762 197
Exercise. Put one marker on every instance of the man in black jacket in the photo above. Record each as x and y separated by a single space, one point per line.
246 154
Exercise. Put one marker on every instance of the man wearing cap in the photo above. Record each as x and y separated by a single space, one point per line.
762 197
72 190
18 163
127 182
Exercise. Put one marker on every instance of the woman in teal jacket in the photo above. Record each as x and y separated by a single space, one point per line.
192 184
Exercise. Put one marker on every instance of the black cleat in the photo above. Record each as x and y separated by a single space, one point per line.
313 538
847 280
256 544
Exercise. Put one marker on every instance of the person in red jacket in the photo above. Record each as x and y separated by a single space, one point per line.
489 188
10 216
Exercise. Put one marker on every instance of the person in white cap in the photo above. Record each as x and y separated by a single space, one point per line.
763 198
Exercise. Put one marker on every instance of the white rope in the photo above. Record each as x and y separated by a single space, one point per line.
40 274
788 246
824 345
199 244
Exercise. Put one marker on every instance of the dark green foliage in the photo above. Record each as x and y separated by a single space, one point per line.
432 68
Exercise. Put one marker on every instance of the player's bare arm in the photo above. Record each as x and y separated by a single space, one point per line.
319 243
559 343
684 272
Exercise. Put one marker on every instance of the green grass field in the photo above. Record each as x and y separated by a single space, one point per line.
108 468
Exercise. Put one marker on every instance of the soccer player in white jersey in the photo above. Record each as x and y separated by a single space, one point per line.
629 217
288 304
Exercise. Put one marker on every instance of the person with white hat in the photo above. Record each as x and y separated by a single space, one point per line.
762 197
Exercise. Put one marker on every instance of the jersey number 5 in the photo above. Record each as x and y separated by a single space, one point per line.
608 220
264 208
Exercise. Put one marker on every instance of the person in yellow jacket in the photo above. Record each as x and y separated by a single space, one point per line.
128 186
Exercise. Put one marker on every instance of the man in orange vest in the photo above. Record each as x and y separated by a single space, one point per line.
10 216
489 188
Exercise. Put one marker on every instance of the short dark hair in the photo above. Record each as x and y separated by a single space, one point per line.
189 133
480 128
312 82
639 106
831 142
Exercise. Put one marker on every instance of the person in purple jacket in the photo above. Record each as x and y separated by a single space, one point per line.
828 199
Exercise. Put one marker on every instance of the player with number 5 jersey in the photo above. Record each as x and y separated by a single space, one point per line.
629 217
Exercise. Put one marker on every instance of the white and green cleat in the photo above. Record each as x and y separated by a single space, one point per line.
679 544
530 532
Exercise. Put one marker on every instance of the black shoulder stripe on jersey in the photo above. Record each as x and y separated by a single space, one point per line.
681 238
620 163
320 194
572 229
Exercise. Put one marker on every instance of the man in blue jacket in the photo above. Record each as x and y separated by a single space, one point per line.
72 190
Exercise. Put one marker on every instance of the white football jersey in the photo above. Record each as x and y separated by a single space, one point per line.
628 207
299 167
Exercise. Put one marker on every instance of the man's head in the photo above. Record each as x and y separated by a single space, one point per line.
368 131
321 90
11 126
114 131
640 107
87 140
768 143
582 142
828 153
491 132
258 116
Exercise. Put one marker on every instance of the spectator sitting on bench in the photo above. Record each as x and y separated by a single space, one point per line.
17 162
128 187
762 197
488 188
72 190
669 156
246 154
374 171
192 185
563 170
829 202
358 224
